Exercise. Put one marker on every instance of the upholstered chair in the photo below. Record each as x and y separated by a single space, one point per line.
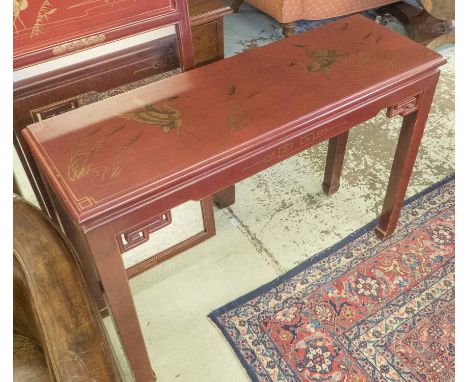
287 12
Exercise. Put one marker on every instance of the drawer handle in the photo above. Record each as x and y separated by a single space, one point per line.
54 109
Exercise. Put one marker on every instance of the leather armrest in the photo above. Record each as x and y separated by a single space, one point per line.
52 303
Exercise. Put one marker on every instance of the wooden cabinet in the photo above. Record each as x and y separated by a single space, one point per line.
47 32
206 21
45 29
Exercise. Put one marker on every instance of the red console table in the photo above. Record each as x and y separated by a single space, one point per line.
122 164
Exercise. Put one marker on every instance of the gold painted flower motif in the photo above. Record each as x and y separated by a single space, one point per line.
81 163
42 18
81 160
101 153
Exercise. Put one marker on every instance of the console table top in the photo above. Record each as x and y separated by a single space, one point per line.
152 139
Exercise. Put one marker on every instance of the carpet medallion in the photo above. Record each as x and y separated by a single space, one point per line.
362 310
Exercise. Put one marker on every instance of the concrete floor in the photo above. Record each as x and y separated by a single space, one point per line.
281 217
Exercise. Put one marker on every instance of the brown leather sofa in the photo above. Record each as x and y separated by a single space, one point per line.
58 334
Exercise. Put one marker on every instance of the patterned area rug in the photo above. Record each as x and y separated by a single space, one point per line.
362 310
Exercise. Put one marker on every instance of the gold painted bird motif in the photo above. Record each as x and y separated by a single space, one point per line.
167 117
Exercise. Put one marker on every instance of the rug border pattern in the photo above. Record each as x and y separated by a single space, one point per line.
300 268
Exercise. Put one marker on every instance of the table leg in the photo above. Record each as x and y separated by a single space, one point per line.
415 111
226 197
236 5
289 29
114 280
334 164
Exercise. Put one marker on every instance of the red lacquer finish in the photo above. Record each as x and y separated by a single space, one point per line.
104 157
126 159
46 29
50 23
